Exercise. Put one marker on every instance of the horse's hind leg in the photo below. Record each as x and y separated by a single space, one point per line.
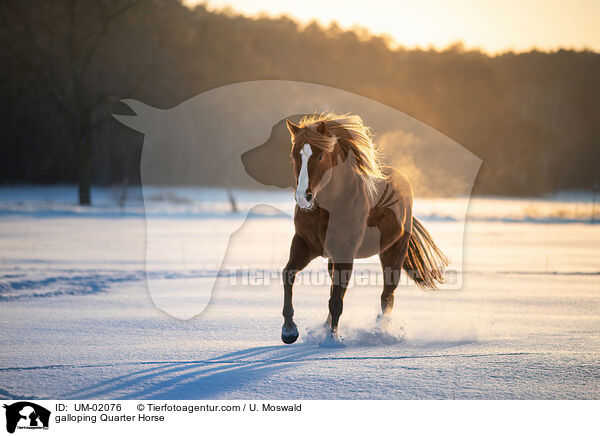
300 256
392 260
327 322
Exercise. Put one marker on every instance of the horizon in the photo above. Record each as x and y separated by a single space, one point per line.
493 27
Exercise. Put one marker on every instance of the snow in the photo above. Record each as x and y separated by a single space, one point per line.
77 320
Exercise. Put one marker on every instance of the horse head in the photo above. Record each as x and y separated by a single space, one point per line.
320 145
313 154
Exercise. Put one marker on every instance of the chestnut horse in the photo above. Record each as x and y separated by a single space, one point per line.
348 207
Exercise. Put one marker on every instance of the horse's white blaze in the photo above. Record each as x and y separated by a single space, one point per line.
305 153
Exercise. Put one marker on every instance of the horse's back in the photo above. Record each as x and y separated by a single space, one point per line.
402 186
390 218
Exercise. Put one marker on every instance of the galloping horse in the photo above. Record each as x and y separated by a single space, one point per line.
348 207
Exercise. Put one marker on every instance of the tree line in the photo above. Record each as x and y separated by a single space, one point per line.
64 65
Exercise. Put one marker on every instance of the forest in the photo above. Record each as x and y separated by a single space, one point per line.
532 117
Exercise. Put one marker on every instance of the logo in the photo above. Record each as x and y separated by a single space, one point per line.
236 135
26 415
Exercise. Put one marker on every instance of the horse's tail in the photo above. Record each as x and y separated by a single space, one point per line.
425 263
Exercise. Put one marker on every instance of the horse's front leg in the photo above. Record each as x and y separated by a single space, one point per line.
300 256
342 271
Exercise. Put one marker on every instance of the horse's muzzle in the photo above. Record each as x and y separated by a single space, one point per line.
305 201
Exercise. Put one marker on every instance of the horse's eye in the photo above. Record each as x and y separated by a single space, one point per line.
320 157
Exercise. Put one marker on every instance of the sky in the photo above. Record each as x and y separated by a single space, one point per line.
492 25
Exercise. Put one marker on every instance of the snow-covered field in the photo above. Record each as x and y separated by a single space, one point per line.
77 320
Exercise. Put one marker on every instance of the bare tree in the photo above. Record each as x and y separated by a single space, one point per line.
54 45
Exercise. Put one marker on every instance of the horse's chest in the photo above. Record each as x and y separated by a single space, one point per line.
312 227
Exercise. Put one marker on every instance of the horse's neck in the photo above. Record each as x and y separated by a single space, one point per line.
350 190
378 191
344 192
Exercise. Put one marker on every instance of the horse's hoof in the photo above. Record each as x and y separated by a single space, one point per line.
289 334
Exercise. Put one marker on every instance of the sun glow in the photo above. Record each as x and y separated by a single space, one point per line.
492 25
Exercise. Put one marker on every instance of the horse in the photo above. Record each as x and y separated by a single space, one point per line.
349 206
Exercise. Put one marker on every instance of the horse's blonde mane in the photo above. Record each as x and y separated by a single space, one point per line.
352 135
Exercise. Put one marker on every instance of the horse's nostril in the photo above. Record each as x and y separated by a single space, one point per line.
309 197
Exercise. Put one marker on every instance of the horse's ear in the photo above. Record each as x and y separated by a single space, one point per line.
321 127
145 116
294 129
